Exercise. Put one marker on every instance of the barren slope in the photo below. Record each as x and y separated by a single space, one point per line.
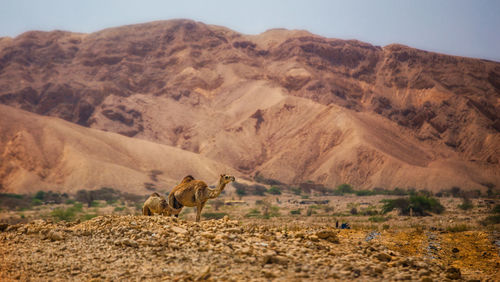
288 104
48 153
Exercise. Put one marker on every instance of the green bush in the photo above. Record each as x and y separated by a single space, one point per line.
70 202
63 214
119 209
455 191
364 193
271 212
466 204
492 219
420 205
214 215
296 190
371 210
295 211
94 203
253 213
398 192
345 189
458 228
77 206
496 209
88 216
39 195
377 218
36 202
274 190
11 195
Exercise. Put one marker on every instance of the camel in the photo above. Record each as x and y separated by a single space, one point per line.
156 204
195 193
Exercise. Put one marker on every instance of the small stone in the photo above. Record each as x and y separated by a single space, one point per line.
455 250
208 235
179 230
55 236
453 273
268 273
233 230
204 275
129 242
314 238
323 234
383 257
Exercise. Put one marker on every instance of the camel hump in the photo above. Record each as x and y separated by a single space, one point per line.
155 195
187 179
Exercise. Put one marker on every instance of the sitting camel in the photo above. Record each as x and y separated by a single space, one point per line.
195 193
156 204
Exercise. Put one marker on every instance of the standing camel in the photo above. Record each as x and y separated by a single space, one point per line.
195 193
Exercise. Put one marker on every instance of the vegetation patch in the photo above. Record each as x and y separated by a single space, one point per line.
458 228
418 205
274 190
377 218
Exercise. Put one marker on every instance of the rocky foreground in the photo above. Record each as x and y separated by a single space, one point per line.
154 248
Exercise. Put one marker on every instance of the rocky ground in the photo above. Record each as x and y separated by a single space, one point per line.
154 248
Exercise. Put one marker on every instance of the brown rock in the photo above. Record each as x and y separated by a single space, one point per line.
55 236
383 257
453 273
179 230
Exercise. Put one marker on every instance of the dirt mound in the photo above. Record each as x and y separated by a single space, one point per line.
291 105
126 247
43 153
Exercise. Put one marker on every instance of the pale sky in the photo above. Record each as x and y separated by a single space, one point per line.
457 27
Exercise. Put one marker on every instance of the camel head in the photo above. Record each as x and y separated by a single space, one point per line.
225 179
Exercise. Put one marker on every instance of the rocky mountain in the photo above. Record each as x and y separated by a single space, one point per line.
288 105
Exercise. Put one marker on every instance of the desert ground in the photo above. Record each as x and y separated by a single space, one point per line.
91 124
257 238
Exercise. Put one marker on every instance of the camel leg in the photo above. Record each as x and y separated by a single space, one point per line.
198 211
146 211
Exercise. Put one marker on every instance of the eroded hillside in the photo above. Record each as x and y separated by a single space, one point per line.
290 105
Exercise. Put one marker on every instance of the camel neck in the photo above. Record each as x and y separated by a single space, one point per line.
214 193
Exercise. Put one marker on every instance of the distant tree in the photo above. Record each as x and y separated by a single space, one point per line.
345 188
419 204
40 195
490 192
455 191
85 196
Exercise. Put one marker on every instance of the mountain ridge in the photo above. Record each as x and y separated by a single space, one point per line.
236 98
